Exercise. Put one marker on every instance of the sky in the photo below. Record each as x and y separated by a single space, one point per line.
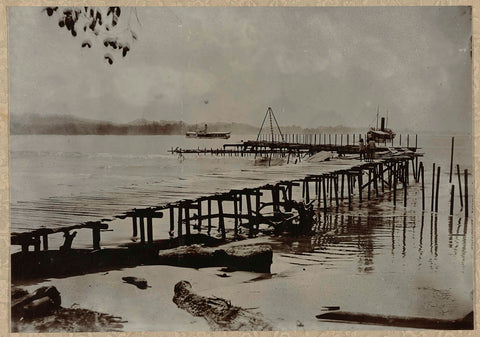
314 66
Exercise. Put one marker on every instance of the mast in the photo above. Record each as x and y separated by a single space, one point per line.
378 106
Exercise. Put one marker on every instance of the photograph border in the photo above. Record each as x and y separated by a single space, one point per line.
4 155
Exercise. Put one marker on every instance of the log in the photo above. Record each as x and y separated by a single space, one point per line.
250 258
412 322
140 283
40 303
220 314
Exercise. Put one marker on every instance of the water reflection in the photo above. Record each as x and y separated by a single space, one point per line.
367 243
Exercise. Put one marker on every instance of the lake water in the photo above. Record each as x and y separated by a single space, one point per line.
375 257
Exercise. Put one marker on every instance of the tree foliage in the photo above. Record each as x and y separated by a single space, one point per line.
98 24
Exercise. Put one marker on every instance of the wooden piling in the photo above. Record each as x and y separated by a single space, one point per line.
324 196
221 220
405 183
180 221
187 218
451 160
437 189
465 173
433 187
172 222
134 225
45 241
235 213
423 186
452 198
149 231
142 230
209 218
460 186
250 216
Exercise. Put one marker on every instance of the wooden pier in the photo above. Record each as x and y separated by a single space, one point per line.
283 149
276 205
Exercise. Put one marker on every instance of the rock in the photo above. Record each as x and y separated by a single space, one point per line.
220 314
256 258
140 283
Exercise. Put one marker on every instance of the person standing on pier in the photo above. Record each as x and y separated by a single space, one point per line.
361 149
371 149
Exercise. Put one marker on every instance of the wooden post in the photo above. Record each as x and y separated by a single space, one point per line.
96 237
375 179
45 241
349 188
221 220
433 186
451 160
250 216
180 221
381 178
416 139
142 230
460 186
405 183
330 179
369 182
187 218
149 231
307 192
452 197
335 180
209 213
134 225
172 222
199 215
465 173
342 186
423 186
235 212
395 177
408 140
324 187
438 187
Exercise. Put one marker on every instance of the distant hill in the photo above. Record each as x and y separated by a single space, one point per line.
71 125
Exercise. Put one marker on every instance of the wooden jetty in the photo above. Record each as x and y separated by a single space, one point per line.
204 219
283 148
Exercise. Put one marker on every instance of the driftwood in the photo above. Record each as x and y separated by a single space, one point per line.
41 302
464 323
40 311
220 314
251 258
140 283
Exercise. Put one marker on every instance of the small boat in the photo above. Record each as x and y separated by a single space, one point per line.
207 134
382 134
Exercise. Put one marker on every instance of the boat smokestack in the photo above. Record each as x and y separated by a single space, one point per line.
382 123
206 127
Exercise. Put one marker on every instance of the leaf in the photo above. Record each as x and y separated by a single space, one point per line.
109 58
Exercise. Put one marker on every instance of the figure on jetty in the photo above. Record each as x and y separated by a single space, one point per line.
67 244
361 148
371 149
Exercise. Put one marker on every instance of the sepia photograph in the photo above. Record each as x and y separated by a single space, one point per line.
240 168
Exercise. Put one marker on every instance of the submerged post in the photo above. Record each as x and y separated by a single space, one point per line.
452 197
451 160
466 192
438 187
423 187
433 186
460 185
